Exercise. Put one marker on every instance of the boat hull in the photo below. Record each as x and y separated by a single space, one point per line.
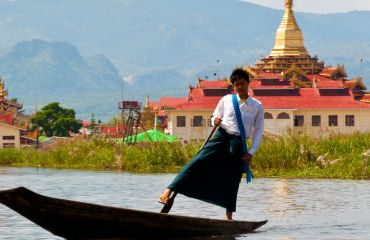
79 220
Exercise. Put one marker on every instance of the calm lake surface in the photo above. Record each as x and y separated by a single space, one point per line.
296 209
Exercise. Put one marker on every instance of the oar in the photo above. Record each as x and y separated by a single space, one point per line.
167 207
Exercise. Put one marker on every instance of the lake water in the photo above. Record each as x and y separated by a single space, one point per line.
296 209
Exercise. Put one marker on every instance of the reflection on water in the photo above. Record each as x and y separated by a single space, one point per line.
296 209
283 200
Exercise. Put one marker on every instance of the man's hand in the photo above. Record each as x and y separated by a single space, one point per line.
217 121
247 158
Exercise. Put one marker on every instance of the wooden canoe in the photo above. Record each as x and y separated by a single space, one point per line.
78 220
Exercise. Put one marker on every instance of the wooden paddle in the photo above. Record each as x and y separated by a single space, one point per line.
167 207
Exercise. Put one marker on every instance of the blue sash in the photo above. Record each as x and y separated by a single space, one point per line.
242 135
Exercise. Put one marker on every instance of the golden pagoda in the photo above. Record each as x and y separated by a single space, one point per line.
10 109
289 49
7 106
3 91
289 38
147 116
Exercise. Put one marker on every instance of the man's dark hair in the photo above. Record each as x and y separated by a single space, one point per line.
239 73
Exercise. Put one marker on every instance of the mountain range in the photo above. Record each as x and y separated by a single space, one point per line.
88 54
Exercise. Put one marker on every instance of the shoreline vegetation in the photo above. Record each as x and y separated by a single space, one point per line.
289 156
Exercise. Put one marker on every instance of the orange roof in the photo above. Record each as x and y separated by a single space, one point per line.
109 130
312 98
354 83
275 93
305 98
153 105
324 82
265 75
157 105
328 72
172 101
224 83
7 118
350 84
262 83
200 103
85 123
365 98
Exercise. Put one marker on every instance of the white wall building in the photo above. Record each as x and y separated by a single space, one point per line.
9 136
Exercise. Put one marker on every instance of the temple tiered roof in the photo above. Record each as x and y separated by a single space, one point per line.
7 106
288 78
289 49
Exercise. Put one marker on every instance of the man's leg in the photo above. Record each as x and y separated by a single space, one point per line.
229 215
165 196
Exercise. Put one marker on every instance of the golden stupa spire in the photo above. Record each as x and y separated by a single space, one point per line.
289 38
3 91
289 4
147 102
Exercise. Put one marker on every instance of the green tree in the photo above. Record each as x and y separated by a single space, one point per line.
92 122
54 120
14 100
119 118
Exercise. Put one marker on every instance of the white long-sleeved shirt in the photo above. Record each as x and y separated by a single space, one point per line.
252 116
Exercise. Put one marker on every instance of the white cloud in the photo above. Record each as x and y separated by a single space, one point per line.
318 6
129 79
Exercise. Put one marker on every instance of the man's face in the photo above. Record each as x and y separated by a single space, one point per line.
241 86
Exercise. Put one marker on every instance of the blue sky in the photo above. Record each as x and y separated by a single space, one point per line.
318 6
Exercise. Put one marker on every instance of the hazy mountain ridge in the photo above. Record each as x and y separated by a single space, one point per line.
55 71
163 45
154 33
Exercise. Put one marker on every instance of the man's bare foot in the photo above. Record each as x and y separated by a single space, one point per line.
165 196
229 215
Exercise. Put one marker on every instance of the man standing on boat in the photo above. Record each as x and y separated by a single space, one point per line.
214 174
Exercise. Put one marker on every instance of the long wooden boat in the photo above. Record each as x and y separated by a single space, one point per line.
78 220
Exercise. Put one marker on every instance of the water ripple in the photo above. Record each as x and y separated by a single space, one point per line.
295 208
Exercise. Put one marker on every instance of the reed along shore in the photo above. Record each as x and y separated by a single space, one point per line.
289 156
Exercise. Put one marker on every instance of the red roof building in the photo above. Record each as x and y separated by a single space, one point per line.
111 131
299 93
13 122
7 118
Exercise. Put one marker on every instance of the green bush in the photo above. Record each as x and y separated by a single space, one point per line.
336 156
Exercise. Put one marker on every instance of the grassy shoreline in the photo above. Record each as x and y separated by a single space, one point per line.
290 156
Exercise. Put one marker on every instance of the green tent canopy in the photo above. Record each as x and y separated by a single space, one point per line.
153 135
43 138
